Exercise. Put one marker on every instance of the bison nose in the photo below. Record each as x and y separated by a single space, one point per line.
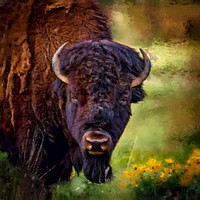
96 142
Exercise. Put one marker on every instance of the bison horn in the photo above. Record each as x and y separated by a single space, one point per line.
144 74
55 64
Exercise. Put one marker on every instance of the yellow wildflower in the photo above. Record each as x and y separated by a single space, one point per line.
135 167
169 161
71 176
196 152
142 168
162 175
191 168
176 167
151 162
154 165
165 174
168 171
127 173
156 170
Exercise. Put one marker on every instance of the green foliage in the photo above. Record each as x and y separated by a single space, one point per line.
194 188
8 174
82 189
147 189
151 190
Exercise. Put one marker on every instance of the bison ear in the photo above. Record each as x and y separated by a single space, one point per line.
137 94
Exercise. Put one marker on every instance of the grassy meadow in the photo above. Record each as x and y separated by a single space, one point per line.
159 148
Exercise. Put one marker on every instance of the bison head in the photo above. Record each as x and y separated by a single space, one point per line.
100 80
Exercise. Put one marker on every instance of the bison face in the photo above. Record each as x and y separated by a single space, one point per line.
103 78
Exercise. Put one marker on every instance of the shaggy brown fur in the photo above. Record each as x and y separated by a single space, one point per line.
31 31
36 123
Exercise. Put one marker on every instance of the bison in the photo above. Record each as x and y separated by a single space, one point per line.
66 88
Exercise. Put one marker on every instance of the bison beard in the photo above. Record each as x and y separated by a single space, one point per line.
97 168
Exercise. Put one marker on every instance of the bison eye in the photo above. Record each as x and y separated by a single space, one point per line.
124 99
72 97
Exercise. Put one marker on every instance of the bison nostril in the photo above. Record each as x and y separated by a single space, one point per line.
104 146
96 142
89 147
